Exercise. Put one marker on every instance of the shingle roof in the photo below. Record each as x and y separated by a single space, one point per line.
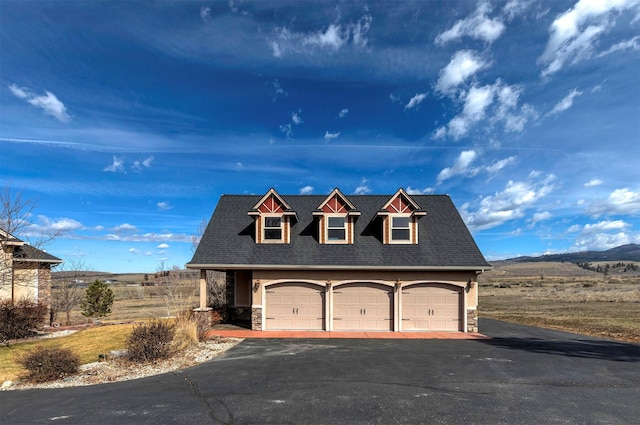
31 254
444 240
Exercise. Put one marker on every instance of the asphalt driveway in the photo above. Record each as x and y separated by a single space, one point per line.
523 375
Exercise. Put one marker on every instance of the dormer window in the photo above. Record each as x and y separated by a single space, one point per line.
336 217
273 219
336 228
400 219
272 228
400 228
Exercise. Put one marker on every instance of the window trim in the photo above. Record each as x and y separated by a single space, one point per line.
345 227
263 222
392 228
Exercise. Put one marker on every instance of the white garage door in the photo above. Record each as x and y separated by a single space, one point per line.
294 306
431 307
362 307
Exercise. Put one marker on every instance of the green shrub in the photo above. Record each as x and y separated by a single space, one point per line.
150 341
21 319
98 300
48 364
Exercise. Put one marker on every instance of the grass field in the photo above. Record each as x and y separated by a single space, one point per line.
563 296
134 299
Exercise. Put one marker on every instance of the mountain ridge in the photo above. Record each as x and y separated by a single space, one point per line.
628 252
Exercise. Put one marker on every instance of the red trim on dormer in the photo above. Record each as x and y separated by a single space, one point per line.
271 205
335 205
401 203
400 206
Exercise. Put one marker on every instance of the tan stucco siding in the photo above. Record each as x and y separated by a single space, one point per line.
25 283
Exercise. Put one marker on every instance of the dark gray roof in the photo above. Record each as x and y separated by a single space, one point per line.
444 240
31 254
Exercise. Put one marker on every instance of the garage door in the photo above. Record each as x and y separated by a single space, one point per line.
362 307
431 307
294 306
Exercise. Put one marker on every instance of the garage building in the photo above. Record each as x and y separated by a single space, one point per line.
332 262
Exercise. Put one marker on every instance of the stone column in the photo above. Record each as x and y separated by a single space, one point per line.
203 320
472 320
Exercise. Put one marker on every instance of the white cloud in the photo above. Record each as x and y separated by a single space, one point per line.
329 136
510 204
515 8
620 201
593 182
566 102
134 251
48 102
500 164
603 235
205 14
425 191
164 206
286 129
363 189
631 44
19 92
117 166
278 90
125 227
139 165
307 190
461 166
573 35
343 113
163 246
463 65
478 26
494 103
58 227
415 100
333 38
476 102
604 241
296 118
540 216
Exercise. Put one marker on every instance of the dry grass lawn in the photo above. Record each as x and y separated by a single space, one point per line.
563 296
87 344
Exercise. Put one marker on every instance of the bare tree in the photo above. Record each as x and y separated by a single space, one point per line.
16 272
197 237
216 281
15 214
178 288
68 294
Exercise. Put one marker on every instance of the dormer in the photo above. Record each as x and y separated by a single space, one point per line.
400 217
273 219
336 217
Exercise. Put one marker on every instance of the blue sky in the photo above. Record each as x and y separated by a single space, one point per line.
127 120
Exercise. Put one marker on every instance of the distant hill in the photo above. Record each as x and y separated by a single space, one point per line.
630 252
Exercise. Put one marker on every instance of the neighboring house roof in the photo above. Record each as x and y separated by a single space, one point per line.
9 239
444 240
27 253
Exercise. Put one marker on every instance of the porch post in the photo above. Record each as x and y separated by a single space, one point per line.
203 289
